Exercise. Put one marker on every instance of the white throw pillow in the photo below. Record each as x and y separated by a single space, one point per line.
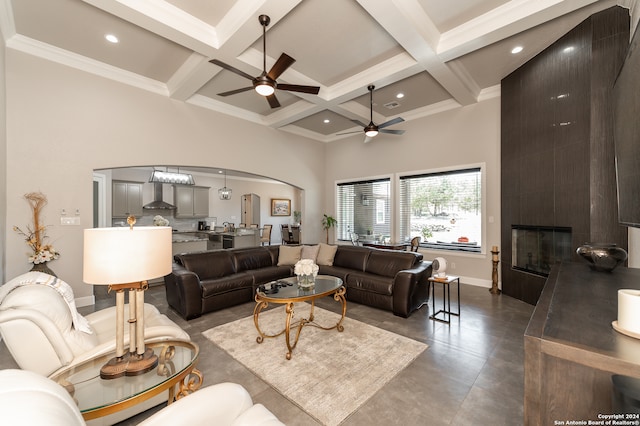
326 254
310 252
289 255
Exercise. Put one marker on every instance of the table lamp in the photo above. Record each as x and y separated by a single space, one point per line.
124 259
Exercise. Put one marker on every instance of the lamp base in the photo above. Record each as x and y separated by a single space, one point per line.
131 364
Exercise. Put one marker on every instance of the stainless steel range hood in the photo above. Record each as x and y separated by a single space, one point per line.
158 203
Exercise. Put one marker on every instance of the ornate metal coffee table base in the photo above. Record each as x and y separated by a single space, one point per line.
262 302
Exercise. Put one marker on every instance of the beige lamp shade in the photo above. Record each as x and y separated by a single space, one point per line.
126 255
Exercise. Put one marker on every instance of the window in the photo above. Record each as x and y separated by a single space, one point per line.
444 208
364 208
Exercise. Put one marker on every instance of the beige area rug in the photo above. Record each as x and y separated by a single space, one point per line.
330 374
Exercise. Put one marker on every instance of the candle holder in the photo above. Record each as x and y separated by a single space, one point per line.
494 274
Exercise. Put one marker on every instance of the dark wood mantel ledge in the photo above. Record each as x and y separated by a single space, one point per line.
571 349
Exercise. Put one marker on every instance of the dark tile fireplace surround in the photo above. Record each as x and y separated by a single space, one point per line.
557 154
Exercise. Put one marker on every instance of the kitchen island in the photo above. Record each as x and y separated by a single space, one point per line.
240 238
191 241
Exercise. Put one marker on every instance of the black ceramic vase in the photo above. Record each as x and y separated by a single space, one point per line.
602 257
42 267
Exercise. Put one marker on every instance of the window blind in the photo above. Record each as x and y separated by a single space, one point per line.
364 207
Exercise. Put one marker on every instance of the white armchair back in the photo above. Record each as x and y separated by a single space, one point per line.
36 325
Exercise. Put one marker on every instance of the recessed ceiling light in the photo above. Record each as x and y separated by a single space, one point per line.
568 49
111 38
516 49
400 95
326 121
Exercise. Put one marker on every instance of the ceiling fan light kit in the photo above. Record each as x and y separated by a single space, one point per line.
265 84
264 88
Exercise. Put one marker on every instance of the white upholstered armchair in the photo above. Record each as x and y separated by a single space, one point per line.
222 404
44 332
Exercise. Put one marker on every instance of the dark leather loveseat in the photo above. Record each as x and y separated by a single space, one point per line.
211 280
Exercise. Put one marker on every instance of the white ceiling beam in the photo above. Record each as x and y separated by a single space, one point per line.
505 21
166 20
194 73
7 24
80 62
409 25
292 113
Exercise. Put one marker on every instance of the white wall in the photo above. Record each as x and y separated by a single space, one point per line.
63 123
3 160
463 136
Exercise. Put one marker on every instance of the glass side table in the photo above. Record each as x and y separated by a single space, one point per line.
446 298
176 373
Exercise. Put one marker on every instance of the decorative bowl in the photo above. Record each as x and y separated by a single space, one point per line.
602 257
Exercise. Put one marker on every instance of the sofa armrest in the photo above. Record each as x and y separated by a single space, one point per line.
410 289
184 292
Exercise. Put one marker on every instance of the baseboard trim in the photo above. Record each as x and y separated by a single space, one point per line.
85 301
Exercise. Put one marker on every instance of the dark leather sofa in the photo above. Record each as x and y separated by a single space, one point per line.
211 280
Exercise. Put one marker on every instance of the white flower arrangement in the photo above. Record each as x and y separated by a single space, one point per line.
306 267
44 255
160 221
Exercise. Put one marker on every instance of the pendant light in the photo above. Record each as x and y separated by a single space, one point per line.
225 193
158 176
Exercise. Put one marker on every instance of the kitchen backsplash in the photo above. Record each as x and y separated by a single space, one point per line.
178 224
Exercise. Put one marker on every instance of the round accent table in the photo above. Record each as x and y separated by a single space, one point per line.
96 397
286 292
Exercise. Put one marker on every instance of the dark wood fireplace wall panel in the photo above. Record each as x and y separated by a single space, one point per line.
557 156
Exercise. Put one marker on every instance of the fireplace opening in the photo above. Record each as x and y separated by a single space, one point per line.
535 249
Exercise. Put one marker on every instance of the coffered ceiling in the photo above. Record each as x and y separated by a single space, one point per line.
440 54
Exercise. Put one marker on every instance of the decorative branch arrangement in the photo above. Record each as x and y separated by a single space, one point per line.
35 236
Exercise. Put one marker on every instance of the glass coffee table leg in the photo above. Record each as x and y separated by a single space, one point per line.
339 296
260 305
287 330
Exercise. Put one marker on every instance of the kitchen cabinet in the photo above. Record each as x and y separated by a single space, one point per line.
191 201
126 199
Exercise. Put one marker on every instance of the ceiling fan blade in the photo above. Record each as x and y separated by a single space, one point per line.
232 69
367 139
298 88
273 101
391 131
359 123
281 65
233 92
391 122
349 133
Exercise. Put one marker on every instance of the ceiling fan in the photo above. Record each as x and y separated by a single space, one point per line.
371 130
265 84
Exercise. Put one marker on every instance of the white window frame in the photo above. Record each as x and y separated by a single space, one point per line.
483 202
392 202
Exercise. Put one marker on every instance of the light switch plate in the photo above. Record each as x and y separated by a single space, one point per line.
70 221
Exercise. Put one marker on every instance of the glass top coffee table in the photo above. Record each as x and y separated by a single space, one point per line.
98 397
286 291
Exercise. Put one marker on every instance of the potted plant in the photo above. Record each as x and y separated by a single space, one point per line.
297 217
327 223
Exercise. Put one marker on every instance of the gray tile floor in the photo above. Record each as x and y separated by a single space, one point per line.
471 374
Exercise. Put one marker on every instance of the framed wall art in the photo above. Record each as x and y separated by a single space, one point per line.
280 207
